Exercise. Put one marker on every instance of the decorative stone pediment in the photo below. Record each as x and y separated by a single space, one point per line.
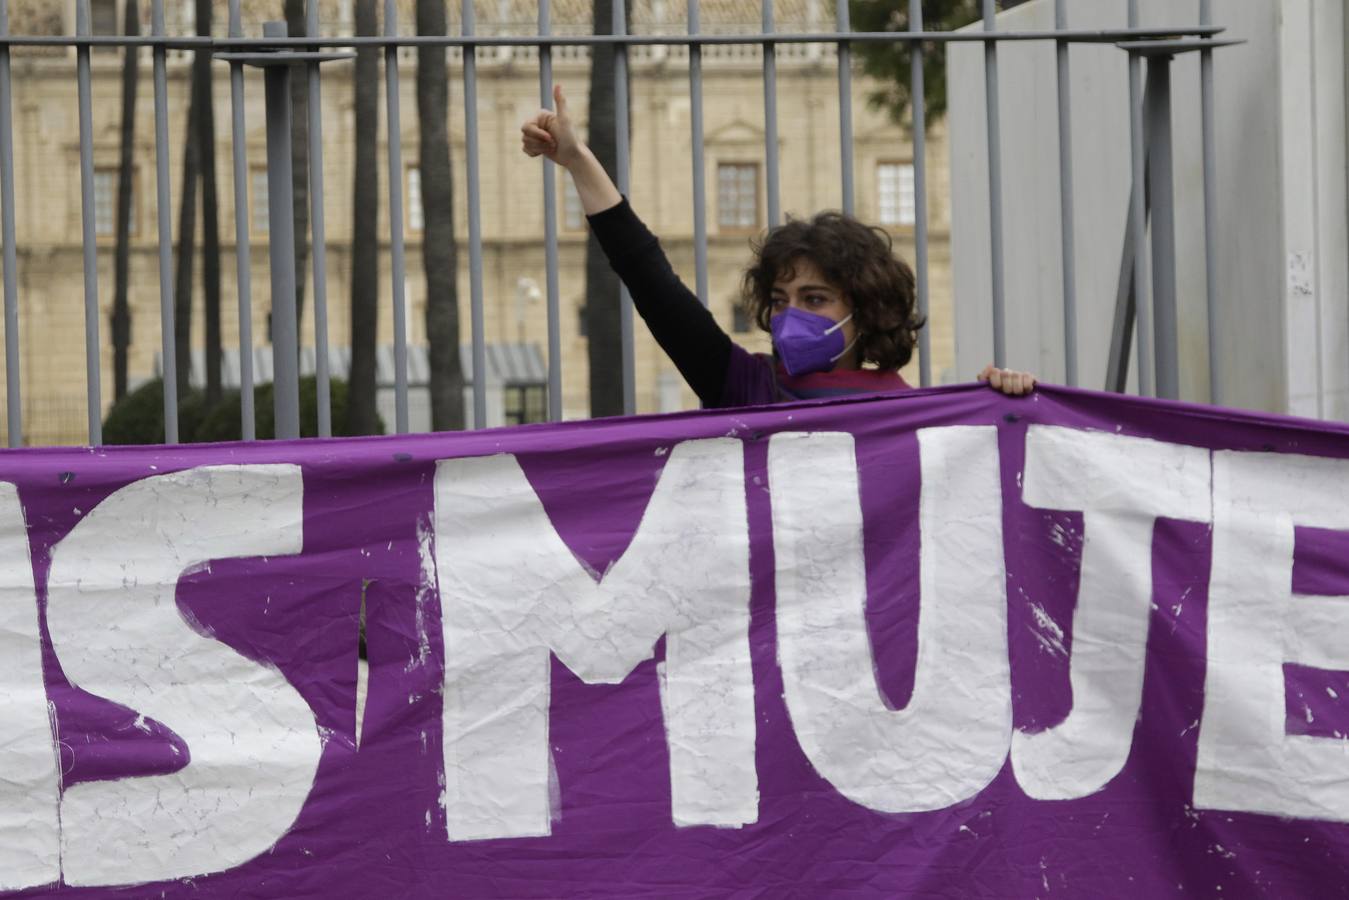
737 132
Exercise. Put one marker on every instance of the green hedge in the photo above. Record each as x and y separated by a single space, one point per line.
138 418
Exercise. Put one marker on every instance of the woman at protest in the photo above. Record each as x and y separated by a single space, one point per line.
840 307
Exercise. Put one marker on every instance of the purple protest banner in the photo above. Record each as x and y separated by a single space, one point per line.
945 644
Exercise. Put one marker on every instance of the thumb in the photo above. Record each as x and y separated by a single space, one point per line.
559 101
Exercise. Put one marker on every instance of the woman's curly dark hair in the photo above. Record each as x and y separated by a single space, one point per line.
859 259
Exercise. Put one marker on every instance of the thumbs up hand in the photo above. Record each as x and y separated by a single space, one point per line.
549 133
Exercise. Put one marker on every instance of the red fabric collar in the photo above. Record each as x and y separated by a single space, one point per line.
849 380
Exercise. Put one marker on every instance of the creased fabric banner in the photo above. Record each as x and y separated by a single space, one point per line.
943 644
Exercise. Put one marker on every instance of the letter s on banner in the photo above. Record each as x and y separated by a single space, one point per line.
951 739
116 628
1247 760
510 590
30 842
1122 485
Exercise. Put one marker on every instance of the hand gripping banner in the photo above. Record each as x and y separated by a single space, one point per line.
942 644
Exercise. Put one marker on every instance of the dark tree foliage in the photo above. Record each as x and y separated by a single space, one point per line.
439 256
602 309
210 222
294 13
889 63
121 306
138 418
360 416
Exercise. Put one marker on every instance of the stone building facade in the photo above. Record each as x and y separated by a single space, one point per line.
49 210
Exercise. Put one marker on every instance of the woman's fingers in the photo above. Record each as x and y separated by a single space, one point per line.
1009 381
559 100
534 132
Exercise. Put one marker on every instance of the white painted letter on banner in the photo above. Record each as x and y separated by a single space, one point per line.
30 840
512 592
1247 760
116 627
951 739
1122 485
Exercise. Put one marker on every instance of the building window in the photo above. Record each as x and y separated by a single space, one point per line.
526 403
105 203
573 214
738 195
895 193
259 221
416 216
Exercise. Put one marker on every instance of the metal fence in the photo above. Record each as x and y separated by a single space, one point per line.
283 57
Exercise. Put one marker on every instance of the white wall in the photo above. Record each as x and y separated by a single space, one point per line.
1280 145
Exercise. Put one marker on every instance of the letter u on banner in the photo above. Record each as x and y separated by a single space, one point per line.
511 591
951 739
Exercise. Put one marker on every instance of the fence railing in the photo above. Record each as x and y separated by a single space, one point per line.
285 57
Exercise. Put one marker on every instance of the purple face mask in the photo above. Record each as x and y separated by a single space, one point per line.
807 342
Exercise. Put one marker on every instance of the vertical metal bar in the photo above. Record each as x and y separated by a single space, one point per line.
1066 201
397 265
13 398
1162 191
621 137
318 244
164 216
1138 216
1122 326
91 343
242 248
1215 381
699 164
550 230
918 106
474 220
994 185
770 119
281 246
843 25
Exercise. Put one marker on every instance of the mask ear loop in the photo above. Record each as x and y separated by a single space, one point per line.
853 343
839 324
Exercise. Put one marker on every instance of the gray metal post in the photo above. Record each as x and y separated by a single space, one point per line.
621 135
1162 191
164 216
843 25
699 164
1138 217
1066 201
770 120
397 261
1122 326
91 342
994 186
1210 214
319 243
281 246
550 230
13 397
243 250
918 106
474 222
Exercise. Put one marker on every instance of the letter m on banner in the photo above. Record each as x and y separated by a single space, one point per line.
512 593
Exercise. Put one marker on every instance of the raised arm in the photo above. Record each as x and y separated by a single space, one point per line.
680 323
